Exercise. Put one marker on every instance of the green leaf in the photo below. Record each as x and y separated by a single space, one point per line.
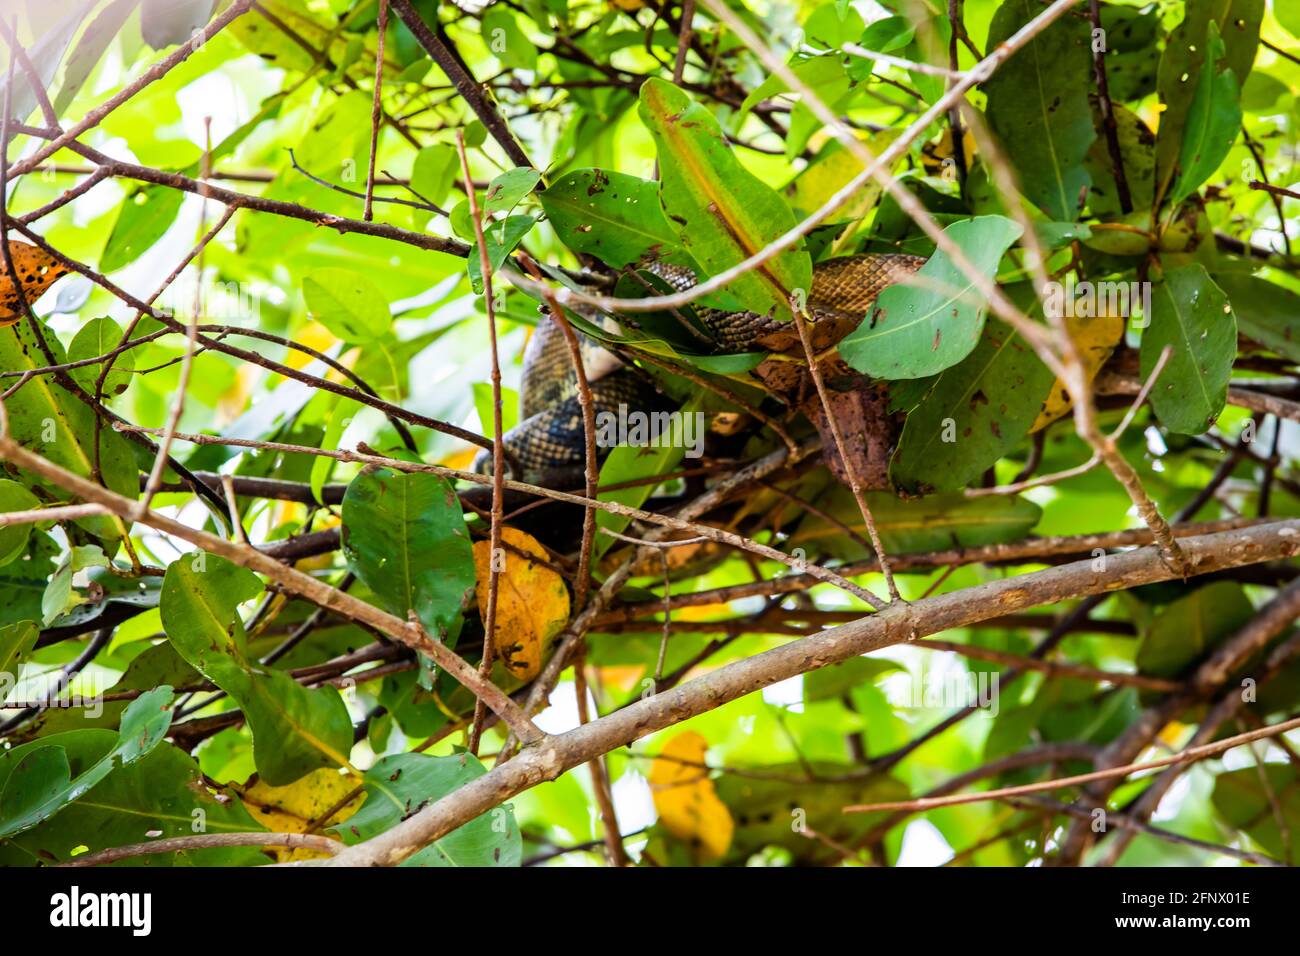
1265 311
295 729
164 23
1137 147
144 216
14 537
917 525
51 421
1182 62
162 794
59 597
502 36
832 683
1213 121
506 191
155 666
404 536
1252 798
96 39
347 303
1191 315
433 174
500 238
977 411
1186 630
613 216
722 212
483 405
627 463
23 582
16 642
918 330
40 782
400 785
1288 14
1038 107
98 337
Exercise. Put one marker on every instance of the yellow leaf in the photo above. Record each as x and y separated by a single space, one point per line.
37 271
1172 733
687 804
460 460
532 601
627 5
1096 339
298 806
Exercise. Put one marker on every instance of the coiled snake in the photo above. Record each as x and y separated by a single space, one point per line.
549 441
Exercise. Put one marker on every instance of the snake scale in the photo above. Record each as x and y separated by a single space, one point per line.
549 440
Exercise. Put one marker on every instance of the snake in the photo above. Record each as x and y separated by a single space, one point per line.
549 441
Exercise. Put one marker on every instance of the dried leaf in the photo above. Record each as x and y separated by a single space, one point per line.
37 271
301 806
685 799
1096 338
532 601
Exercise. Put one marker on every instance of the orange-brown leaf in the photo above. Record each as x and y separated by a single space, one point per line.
37 271
532 601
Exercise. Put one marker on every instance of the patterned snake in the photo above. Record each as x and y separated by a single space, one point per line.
549 441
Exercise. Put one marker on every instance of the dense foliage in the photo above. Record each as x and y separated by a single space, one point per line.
254 600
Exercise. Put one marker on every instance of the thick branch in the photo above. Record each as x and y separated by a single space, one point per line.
896 624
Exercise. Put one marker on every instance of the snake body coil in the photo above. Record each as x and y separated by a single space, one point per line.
549 441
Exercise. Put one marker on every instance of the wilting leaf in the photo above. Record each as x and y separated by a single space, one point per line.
918 330
404 536
37 270
1186 630
1213 121
532 602
976 412
40 781
400 785
1095 337
301 806
685 798
722 212
295 729
1192 316
1039 109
